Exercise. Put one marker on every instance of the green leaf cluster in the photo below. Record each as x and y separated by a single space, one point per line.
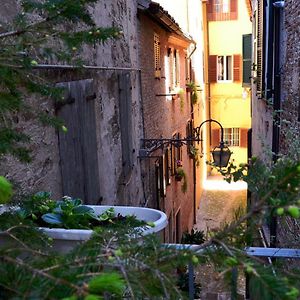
70 213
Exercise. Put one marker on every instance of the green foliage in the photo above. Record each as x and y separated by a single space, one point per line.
180 173
69 213
6 190
44 32
183 284
111 265
195 154
195 237
107 282
264 285
194 92
277 184
182 98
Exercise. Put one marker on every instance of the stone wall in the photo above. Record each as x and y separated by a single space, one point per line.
44 173
290 73
288 228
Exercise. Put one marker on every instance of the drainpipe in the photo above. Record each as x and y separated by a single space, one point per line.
277 107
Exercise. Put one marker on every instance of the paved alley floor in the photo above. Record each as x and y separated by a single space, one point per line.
218 204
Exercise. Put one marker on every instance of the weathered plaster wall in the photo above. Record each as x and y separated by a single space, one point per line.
119 53
44 172
262 113
291 72
288 228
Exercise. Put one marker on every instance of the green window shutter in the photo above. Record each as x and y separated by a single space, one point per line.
260 48
247 59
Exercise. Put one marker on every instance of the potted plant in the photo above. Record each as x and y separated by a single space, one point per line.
191 87
68 222
179 175
179 94
194 153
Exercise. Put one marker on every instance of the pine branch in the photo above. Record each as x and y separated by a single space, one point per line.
55 280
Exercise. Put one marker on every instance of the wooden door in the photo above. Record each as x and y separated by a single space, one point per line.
78 147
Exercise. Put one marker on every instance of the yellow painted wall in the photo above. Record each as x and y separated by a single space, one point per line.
226 35
228 106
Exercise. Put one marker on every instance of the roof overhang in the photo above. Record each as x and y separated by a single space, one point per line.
162 17
249 7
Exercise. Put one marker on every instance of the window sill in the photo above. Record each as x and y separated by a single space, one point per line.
224 81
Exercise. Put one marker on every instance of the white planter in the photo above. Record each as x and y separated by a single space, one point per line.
65 240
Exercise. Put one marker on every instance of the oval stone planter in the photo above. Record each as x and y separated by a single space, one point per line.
65 240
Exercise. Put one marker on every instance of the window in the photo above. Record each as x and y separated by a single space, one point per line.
176 153
160 178
176 65
174 69
224 68
157 66
167 166
189 134
222 10
232 136
221 6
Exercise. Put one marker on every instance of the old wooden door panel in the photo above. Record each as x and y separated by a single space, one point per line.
78 147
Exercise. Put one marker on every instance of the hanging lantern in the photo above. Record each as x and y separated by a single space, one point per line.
221 155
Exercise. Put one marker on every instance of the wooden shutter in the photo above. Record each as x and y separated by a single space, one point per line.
159 183
210 10
157 66
233 9
179 149
125 106
78 147
163 175
171 69
236 68
212 68
243 137
177 68
167 166
215 137
260 30
247 59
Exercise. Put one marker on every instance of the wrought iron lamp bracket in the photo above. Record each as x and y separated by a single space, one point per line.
151 145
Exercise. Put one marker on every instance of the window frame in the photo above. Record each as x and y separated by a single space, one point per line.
232 138
176 154
174 69
221 5
216 10
225 68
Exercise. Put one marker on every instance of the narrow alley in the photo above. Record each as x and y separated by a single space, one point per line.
219 202
218 205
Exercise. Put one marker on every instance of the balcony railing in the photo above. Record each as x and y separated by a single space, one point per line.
271 253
